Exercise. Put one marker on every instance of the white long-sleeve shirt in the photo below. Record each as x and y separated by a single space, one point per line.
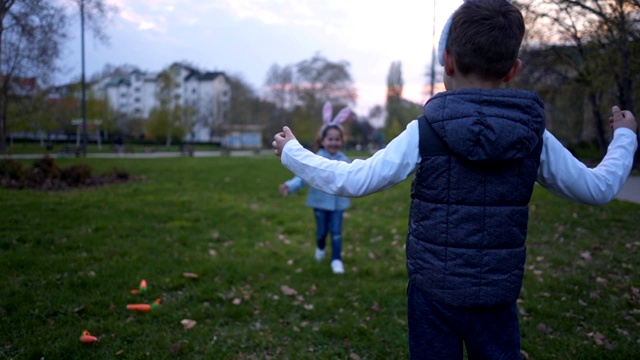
559 172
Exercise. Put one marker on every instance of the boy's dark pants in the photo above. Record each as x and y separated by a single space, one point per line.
437 331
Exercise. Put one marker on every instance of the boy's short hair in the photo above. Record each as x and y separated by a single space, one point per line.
485 38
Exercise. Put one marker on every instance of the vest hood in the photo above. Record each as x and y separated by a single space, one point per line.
487 125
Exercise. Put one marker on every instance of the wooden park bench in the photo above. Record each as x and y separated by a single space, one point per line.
70 151
186 150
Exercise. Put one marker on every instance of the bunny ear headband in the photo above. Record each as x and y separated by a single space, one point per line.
442 44
327 111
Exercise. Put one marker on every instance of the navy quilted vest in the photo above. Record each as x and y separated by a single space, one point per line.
480 153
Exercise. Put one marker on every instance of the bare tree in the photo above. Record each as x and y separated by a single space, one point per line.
280 86
587 43
300 90
32 33
318 80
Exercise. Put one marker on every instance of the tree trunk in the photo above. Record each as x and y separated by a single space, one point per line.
3 92
3 115
597 122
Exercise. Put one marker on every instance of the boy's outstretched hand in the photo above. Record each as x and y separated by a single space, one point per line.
281 139
622 119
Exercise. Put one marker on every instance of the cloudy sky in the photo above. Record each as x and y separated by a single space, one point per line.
246 37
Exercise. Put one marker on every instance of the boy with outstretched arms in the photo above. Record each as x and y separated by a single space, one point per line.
476 153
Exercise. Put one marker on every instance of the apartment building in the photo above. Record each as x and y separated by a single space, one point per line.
134 95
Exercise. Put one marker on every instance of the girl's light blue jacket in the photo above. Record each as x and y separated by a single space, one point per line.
316 198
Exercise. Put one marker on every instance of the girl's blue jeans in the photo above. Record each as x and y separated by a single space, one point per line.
329 222
438 331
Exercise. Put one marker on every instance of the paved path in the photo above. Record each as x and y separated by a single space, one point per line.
630 191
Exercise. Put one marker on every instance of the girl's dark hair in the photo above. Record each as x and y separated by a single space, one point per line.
317 145
485 38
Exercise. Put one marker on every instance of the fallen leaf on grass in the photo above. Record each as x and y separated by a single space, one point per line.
175 348
188 323
288 291
76 310
213 253
598 338
313 289
543 329
190 275
585 255
623 332
354 356
236 301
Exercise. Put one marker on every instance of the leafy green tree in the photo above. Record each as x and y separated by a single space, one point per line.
394 120
242 98
399 111
165 119
99 109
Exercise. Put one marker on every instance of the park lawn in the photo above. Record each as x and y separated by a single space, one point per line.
69 259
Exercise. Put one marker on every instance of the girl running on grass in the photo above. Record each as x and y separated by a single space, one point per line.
327 209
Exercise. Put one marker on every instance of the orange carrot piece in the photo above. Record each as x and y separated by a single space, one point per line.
139 307
87 338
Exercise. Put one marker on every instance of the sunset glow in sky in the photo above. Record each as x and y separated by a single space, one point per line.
246 37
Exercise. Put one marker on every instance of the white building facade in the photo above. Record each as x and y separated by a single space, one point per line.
133 96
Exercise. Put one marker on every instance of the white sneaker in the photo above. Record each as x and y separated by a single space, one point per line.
319 254
337 267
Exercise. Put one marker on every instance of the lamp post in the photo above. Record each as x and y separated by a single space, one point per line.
82 80
433 51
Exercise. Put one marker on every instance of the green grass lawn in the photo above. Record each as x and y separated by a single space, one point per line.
68 261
